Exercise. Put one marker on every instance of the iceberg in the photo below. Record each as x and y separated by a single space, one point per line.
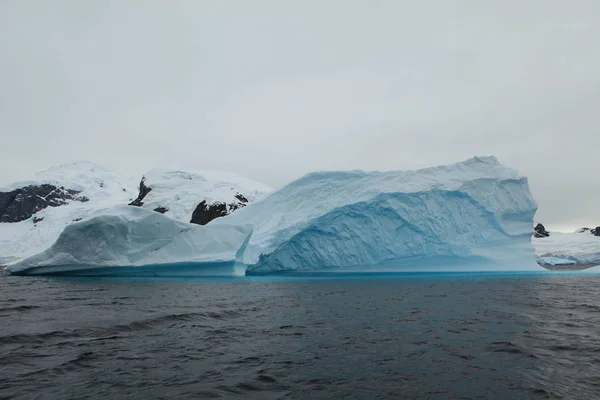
473 215
132 241
580 249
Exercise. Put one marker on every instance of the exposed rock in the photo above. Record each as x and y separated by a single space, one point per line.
21 204
582 230
540 231
37 219
77 219
204 213
241 198
596 231
144 190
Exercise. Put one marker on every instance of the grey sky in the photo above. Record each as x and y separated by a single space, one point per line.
275 89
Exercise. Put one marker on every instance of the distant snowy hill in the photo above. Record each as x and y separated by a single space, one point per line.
568 249
197 197
33 213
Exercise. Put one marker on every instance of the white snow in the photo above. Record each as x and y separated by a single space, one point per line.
127 236
581 248
473 214
103 189
180 192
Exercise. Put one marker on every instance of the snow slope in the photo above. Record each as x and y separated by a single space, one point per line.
127 236
568 249
180 192
103 189
470 215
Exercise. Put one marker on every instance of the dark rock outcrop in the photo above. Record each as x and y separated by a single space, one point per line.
143 191
540 231
583 230
241 198
21 204
596 231
204 212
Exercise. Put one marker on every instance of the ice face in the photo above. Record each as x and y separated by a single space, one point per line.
474 214
125 236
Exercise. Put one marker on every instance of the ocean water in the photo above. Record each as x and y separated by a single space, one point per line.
435 336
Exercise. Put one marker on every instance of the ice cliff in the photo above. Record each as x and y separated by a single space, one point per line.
475 214
148 242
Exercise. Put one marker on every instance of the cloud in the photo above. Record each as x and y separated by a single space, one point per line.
276 89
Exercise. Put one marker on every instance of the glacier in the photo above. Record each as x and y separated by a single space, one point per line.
471 215
126 240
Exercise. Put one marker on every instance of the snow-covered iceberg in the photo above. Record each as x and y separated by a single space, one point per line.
475 214
126 240
560 249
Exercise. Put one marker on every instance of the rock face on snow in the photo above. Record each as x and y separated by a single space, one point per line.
196 197
20 204
568 249
540 231
595 231
126 240
472 215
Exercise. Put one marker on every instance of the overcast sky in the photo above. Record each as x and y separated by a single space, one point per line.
275 89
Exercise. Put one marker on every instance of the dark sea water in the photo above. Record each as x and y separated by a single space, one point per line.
503 336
